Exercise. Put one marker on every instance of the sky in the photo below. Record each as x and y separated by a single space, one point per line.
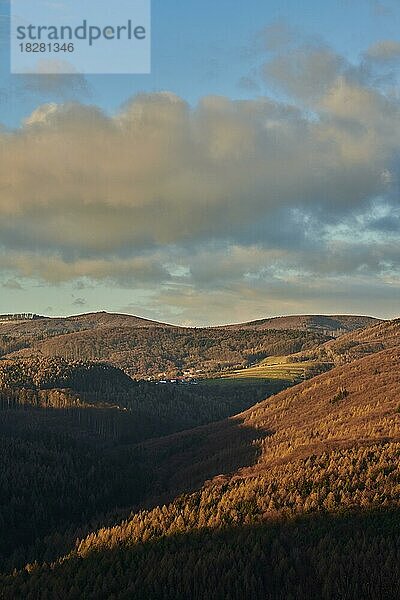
255 171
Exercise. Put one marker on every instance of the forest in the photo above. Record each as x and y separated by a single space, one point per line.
117 487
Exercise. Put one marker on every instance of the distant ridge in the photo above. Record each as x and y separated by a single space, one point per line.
322 323
145 348
330 325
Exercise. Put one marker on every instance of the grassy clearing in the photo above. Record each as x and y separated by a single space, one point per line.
274 368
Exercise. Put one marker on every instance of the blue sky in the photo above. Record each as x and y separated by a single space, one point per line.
166 235
206 47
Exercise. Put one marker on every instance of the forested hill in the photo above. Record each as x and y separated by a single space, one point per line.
356 344
95 379
145 348
353 405
26 330
169 352
295 498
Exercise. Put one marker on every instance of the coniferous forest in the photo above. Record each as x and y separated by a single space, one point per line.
180 483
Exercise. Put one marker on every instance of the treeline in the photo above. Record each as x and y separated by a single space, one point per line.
149 411
20 317
45 373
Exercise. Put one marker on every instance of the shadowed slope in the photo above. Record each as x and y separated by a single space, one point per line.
352 405
328 445
320 558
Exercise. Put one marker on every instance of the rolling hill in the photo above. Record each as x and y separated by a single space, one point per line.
144 352
357 344
144 348
297 497
16 334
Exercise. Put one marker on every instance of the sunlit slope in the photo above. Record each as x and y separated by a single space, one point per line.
360 343
310 512
353 405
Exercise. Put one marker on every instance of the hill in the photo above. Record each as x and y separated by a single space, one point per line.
296 497
357 344
19 331
329 325
51 372
162 352
146 348
351 405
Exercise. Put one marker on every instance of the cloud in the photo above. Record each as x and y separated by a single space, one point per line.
160 173
55 270
46 81
249 83
49 80
304 72
302 295
380 9
276 36
79 302
215 203
385 51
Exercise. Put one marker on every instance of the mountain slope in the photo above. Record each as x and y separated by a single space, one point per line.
149 351
313 511
357 344
352 405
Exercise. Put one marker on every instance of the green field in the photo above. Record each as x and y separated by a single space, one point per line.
274 368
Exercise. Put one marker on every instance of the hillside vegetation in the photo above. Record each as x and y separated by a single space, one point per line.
354 404
71 431
23 333
357 344
144 348
296 497
168 352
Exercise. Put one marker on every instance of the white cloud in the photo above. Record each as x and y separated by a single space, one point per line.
225 200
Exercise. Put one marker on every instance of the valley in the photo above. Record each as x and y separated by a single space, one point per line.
275 476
